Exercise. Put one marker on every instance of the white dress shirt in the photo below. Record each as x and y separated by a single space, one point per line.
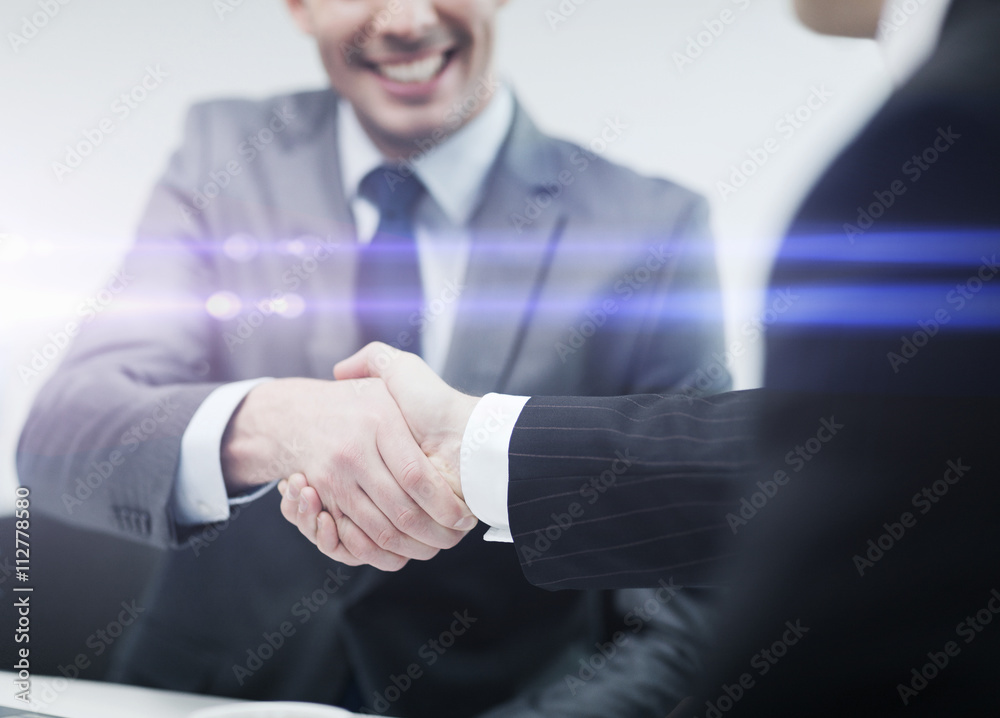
454 173
908 33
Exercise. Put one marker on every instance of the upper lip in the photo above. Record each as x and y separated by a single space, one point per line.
402 59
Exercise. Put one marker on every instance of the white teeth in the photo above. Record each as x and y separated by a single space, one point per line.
413 72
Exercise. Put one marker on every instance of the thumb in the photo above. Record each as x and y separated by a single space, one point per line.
370 361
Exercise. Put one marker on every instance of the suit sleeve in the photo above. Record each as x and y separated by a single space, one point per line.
627 491
610 492
101 445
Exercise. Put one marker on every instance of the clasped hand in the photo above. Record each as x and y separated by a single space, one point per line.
372 459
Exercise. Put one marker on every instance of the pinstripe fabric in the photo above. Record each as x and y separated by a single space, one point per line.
635 489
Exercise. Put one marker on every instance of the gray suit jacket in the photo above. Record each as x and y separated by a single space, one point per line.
583 278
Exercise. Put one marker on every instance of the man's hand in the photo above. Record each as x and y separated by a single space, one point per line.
386 501
435 413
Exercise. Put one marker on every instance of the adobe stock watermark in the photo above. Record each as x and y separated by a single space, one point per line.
708 376
420 320
457 114
796 459
32 25
247 150
58 340
924 500
303 610
787 126
224 305
98 643
958 298
636 619
762 661
591 490
284 464
714 28
890 23
969 629
428 654
484 431
225 7
121 109
129 442
562 12
912 170
581 159
625 288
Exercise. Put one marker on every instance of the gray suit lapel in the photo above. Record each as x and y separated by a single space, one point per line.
320 211
512 241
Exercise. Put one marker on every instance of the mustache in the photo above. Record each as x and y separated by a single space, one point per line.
392 45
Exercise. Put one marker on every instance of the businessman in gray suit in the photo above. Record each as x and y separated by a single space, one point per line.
416 203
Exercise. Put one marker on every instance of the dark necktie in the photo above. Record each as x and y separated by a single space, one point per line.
389 293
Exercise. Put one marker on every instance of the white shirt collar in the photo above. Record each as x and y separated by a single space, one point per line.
453 171
908 33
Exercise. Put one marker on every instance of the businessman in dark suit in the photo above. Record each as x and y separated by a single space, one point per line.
863 477
886 545
543 269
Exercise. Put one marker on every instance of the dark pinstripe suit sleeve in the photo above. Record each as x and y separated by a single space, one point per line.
612 492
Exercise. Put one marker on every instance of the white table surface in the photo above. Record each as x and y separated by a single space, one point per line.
75 698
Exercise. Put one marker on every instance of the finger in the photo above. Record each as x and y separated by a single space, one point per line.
358 544
307 513
308 510
329 543
372 360
351 499
294 485
443 518
303 511
288 488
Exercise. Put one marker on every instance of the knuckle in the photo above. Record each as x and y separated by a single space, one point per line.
355 542
411 477
408 520
388 539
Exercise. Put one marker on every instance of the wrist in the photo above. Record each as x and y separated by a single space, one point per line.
247 442
448 455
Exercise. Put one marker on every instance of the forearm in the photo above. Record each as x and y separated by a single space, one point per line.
257 446
101 450
641 485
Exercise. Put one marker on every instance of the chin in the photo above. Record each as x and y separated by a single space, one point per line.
847 18
408 135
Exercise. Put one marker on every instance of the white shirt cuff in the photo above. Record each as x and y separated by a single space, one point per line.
200 489
484 461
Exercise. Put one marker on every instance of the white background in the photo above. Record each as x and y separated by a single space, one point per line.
617 59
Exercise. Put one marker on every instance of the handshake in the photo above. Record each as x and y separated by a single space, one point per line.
372 460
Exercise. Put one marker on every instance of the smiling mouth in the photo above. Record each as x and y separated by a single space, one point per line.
415 72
